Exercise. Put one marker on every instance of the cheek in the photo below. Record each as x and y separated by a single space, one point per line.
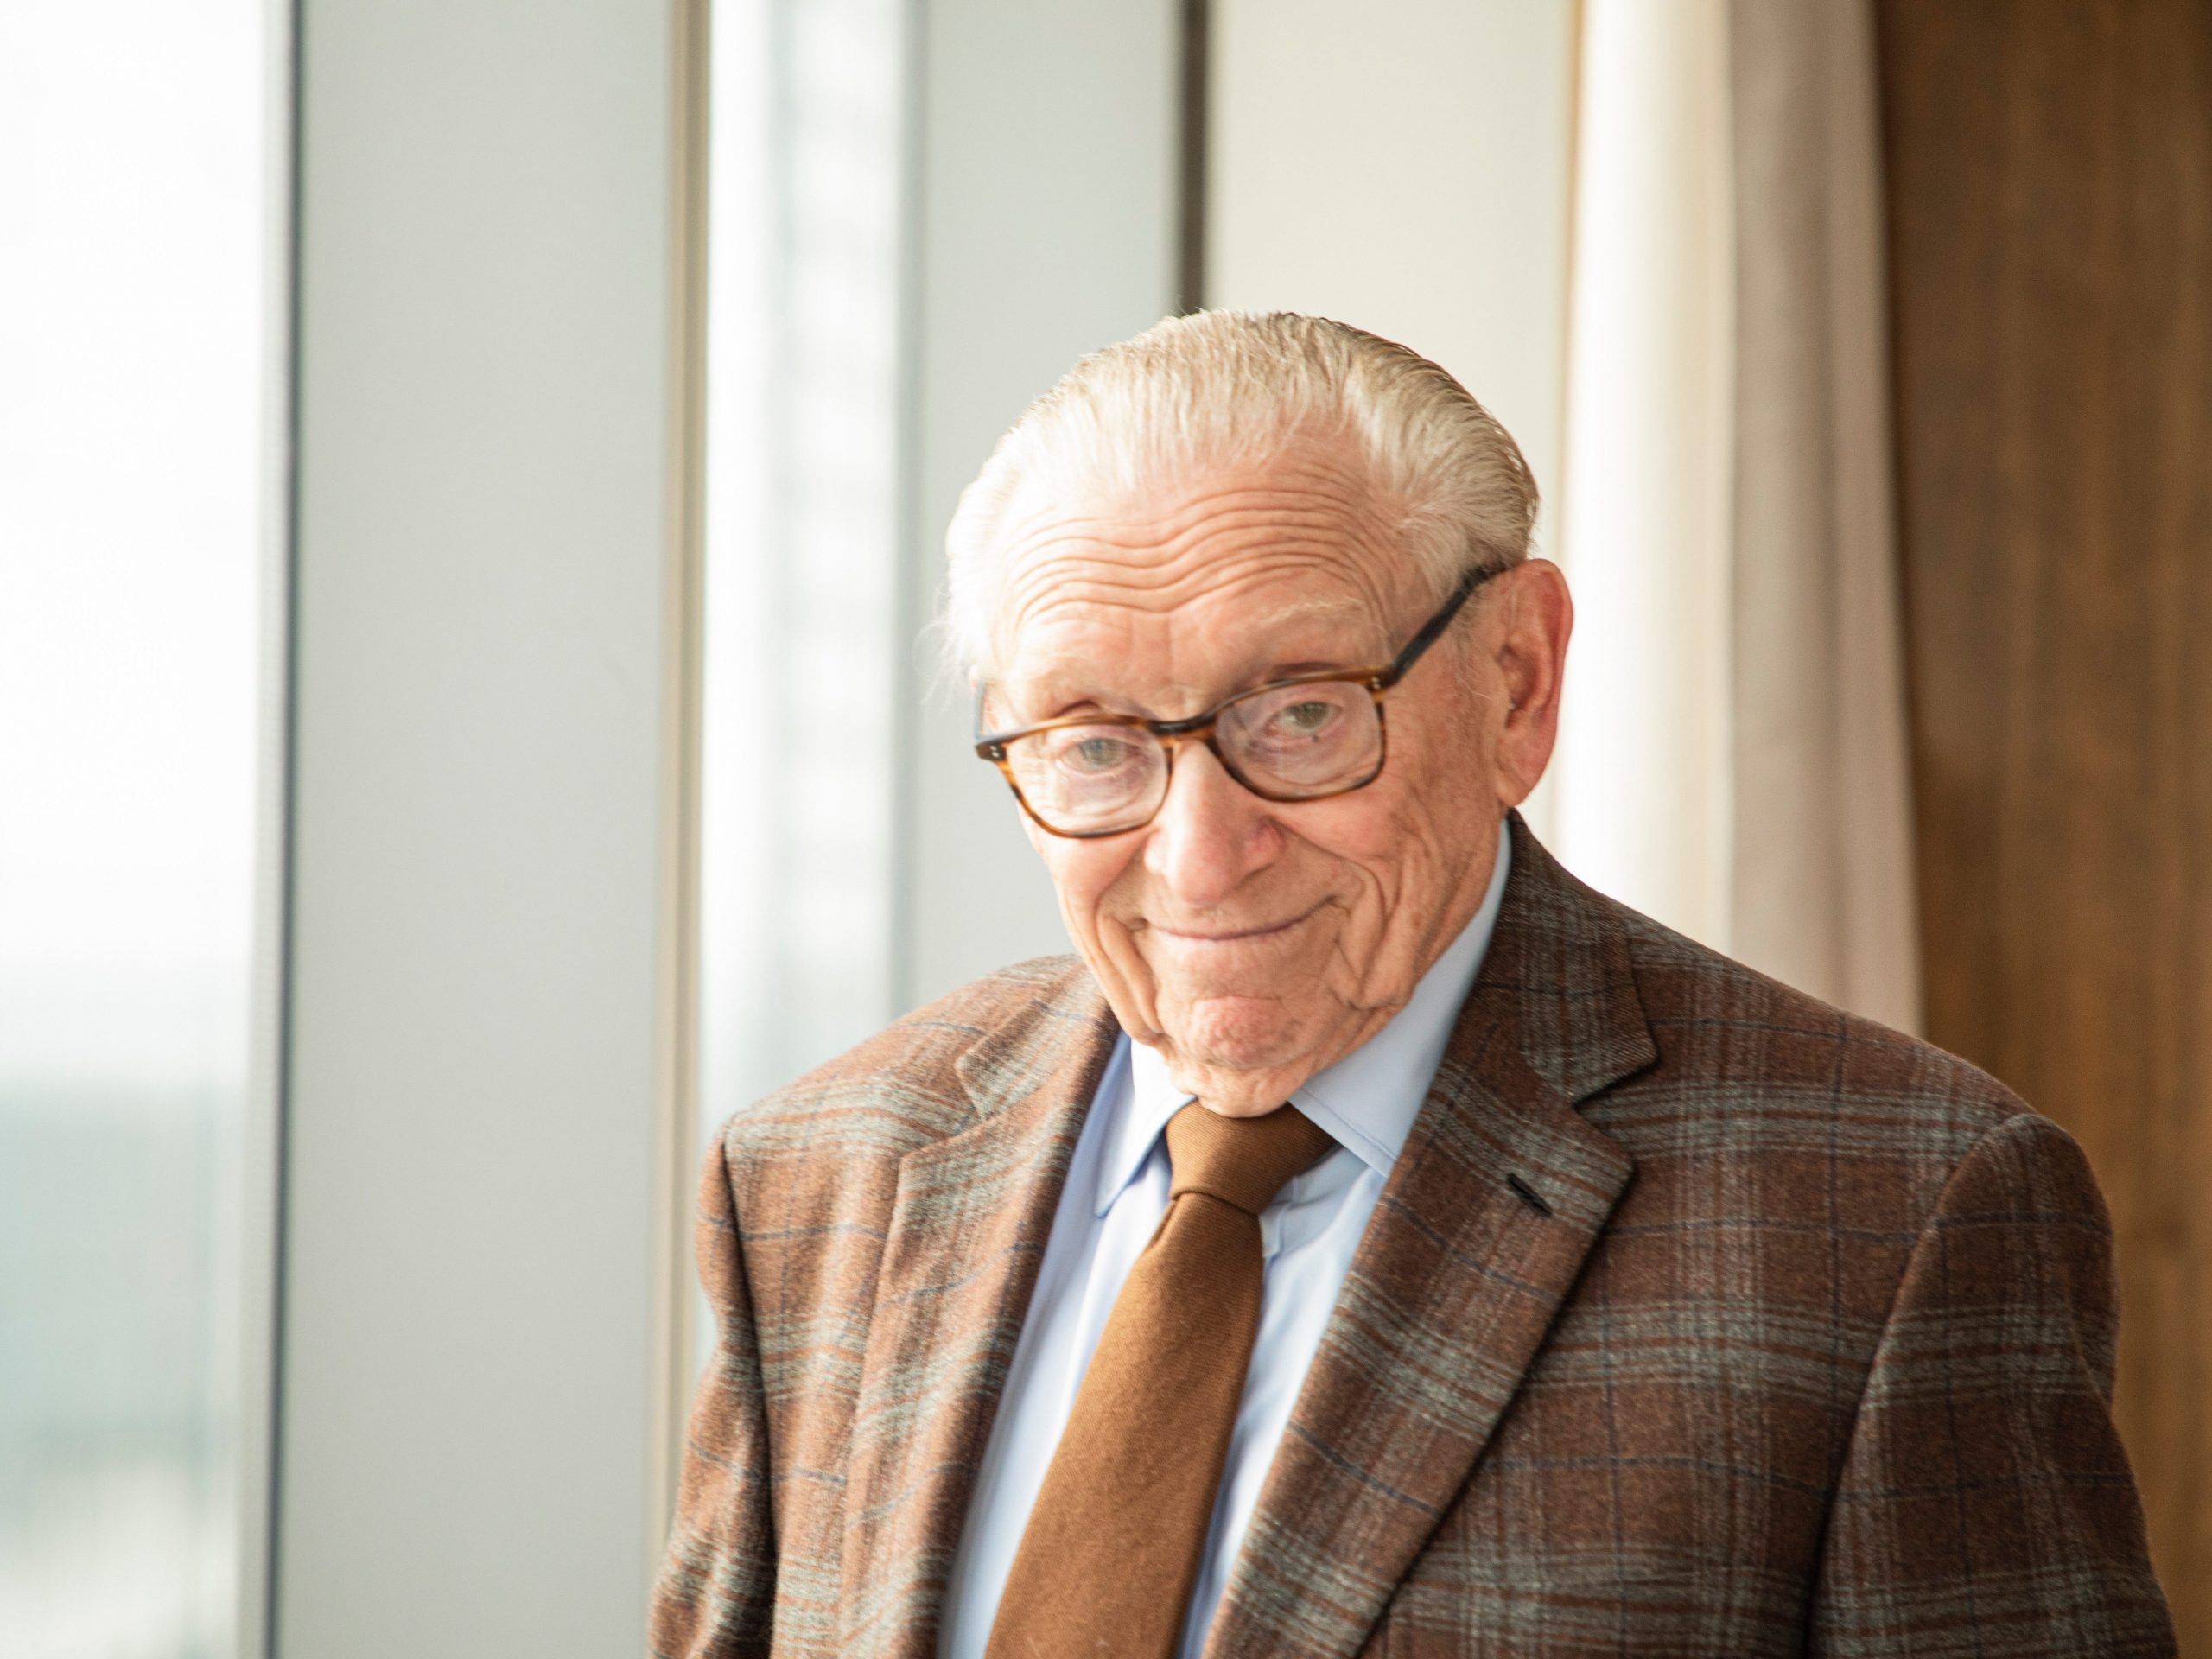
1403 850
1084 872
1427 801
1380 837
1446 799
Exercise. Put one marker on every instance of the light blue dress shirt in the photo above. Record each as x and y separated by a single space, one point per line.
1116 1194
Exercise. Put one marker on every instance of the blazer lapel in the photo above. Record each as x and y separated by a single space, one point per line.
1481 1230
968 1229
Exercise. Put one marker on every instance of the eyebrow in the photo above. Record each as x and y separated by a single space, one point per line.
1299 610
1076 697
1074 693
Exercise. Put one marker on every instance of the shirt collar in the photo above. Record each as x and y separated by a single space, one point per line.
1367 1101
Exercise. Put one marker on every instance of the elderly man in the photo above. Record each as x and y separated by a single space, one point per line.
1374 1241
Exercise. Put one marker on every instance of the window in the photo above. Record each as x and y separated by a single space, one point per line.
133 316
803 651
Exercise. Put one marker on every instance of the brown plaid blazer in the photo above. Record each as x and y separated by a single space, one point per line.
1697 1318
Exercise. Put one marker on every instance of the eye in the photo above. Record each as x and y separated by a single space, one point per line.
1307 719
1097 754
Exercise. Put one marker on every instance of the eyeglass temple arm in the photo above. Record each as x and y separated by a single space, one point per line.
1432 630
991 746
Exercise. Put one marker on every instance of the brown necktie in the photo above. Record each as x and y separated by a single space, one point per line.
1107 1562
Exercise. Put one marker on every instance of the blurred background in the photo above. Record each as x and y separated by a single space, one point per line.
471 486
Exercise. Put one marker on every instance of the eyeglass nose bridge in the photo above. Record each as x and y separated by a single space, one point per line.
1172 735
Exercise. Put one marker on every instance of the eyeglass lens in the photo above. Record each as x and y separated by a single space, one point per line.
1287 742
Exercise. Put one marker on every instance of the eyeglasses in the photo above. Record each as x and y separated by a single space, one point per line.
1300 739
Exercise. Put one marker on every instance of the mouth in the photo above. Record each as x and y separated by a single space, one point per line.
1233 936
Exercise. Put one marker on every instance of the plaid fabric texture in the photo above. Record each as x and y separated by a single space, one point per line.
1696 1318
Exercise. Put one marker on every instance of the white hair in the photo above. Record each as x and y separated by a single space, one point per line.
1229 388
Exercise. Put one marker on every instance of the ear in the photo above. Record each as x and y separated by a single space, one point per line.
1536 616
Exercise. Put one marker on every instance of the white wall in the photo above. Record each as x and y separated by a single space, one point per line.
485 281
1046 214
1406 166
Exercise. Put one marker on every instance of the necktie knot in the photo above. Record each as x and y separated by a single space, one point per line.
1244 1161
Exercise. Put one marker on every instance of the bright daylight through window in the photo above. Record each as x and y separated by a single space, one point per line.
132 293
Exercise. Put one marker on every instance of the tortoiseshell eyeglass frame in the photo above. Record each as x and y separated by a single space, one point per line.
1200 727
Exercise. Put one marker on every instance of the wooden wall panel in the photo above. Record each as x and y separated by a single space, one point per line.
2049 174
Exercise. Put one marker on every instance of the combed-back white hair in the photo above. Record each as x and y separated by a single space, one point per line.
1230 388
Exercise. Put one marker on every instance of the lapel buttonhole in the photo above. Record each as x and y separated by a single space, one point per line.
1528 1195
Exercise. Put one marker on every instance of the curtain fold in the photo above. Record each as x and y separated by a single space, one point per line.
1642 787
1823 867
1734 757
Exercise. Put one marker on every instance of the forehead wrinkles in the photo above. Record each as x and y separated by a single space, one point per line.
1209 544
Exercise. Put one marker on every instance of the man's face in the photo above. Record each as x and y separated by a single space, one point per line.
1254 942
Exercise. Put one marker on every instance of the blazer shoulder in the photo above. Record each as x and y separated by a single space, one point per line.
1752 1042
901 1087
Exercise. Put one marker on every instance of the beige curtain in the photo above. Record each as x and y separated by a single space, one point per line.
1641 797
1823 870
1734 756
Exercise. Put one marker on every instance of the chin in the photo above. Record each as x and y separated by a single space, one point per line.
1241 1033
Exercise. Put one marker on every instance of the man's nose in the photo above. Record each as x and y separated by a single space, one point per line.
1211 832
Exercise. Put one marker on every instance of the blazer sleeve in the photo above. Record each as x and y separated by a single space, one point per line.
717 1587
1984 1504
